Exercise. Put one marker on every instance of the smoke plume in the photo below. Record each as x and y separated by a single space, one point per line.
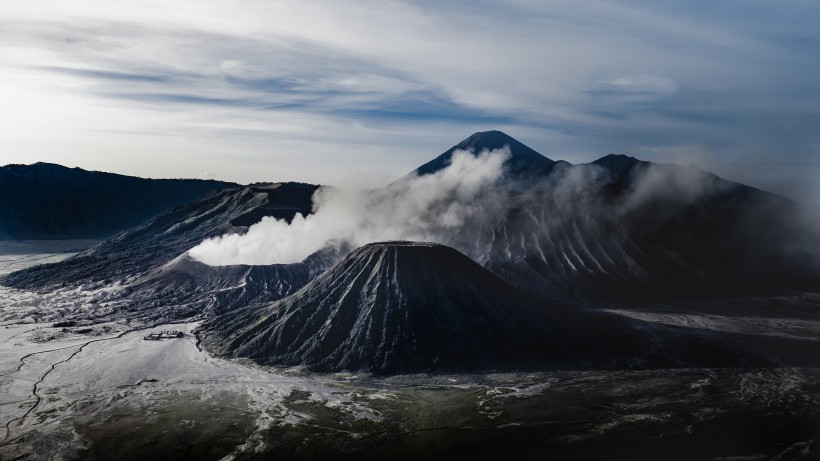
418 208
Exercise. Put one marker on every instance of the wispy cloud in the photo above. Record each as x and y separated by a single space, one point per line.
634 84
309 90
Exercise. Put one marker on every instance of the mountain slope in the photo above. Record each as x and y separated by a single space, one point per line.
396 306
620 227
48 201
147 247
186 288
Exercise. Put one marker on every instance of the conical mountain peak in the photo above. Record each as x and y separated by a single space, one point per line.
617 162
522 158
493 139
393 306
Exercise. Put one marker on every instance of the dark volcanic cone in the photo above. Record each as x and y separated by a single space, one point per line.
396 306
522 158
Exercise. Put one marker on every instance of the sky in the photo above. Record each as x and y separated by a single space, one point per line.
362 92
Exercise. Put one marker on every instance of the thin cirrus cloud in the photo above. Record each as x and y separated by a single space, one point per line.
635 84
278 90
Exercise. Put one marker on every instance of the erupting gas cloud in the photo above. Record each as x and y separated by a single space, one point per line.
423 208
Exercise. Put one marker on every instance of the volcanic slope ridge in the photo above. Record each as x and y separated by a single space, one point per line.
636 230
407 307
629 230
133 254
186 288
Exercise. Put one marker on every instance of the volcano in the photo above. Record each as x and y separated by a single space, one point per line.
396 306
522 158
617 229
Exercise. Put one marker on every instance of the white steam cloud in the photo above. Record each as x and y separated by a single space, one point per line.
424 208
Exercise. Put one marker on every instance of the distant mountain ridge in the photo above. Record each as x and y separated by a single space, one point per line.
617 227
49 201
